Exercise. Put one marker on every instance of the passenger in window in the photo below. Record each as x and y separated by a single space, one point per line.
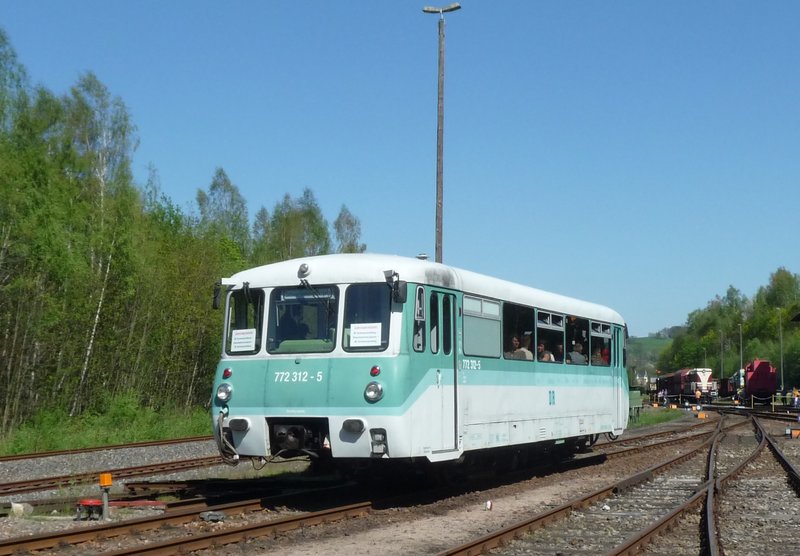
287 326
524 352
558 355
597 358
513 346
606 355
576 356
291 324
543 354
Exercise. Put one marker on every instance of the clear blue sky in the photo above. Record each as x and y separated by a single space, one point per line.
643 155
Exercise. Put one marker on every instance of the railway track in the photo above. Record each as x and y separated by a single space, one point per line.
609 517
757 500
257 514
625 517
103 537
53 483
68 470
732 503
61 453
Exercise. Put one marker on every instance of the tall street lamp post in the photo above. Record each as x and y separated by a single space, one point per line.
780 333
741 352
440 124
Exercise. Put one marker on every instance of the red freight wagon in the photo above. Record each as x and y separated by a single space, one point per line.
760 381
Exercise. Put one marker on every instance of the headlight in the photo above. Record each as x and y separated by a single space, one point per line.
373 392
224 392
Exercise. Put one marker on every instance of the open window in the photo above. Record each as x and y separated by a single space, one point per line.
518 331
601 344
550 333
577 330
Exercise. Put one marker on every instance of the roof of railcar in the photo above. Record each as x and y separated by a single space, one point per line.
367 267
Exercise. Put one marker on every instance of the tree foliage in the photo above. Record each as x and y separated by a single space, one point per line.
733 330
105 285
223 213
348 232
297 229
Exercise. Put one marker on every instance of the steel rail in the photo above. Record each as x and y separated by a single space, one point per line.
499 538
705 494
115 529
791 470
75 451
47 483
246 532
637 438
634 544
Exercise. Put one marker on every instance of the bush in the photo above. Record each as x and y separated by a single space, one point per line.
124 420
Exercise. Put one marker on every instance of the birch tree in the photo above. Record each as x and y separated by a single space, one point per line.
104 139
223 211
348 232
298 228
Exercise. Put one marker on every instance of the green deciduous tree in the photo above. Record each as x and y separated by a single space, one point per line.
712 336
261 232
13 82
105 288
297 229
348 232
223 212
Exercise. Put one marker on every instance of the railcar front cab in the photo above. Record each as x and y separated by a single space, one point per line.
288 437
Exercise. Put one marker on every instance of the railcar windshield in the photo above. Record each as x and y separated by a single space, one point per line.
367 308
245 321
302 319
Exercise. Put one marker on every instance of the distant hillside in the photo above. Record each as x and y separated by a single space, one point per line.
643 353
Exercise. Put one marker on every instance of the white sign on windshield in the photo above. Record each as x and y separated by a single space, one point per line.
365 334
243 340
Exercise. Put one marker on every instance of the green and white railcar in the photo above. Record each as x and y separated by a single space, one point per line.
361 357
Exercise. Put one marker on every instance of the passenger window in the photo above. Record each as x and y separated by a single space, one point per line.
549 337
577 330
482 327
518 324
601 344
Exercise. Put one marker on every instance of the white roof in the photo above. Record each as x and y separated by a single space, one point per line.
368 267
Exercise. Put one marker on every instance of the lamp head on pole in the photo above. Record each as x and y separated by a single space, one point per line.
451 8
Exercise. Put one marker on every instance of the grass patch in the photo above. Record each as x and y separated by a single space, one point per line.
123 420
655 415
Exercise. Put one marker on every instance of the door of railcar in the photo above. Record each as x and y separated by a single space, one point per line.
442 345
620 378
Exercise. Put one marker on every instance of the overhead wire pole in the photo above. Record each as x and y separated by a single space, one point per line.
440 125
